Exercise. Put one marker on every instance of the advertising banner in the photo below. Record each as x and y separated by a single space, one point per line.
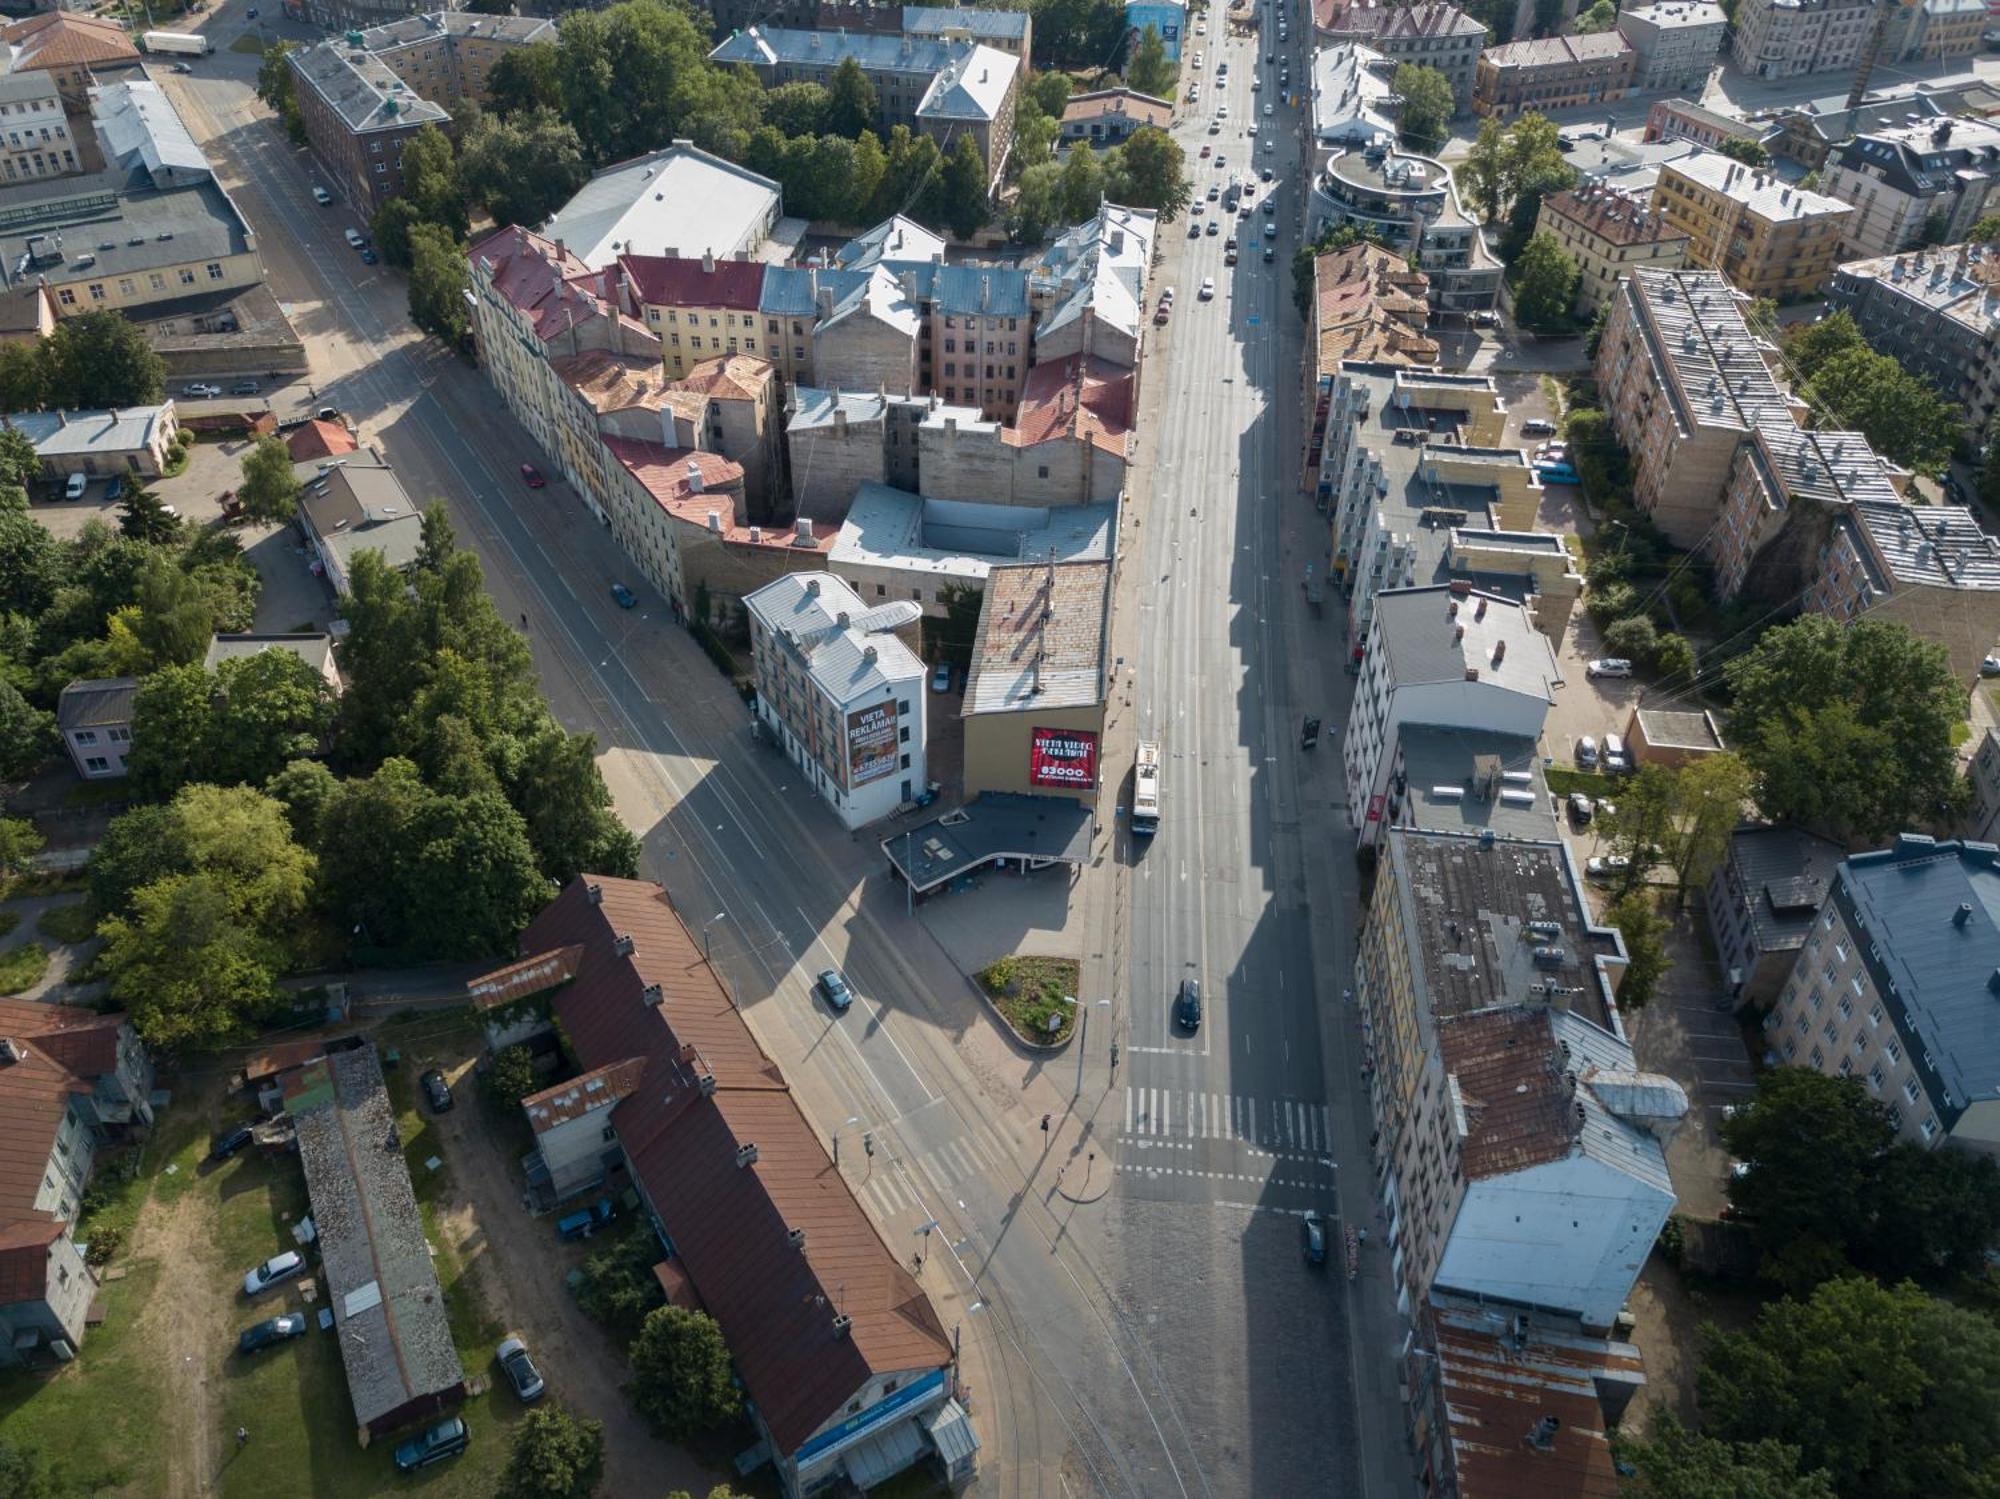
1066 758
871 743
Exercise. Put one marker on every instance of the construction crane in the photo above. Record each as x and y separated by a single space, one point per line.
1871 47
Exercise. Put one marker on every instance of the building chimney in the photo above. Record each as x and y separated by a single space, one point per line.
623 946
654 995
1962 915
708 262
812 584
694 475
594 894
746 1155
715 521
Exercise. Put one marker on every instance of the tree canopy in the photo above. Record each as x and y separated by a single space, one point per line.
1148 69
1428 105
1507 160
1544 279
522 167
270 489
1671 1462
555 1456
681 1378
437 282
1847 726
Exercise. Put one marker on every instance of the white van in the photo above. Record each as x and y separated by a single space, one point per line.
1615 760
1586 753
74 486
354 239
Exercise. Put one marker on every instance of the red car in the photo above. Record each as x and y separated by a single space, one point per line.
533 475
1207 151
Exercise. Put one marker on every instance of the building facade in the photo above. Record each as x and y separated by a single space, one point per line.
1914 186
446 56
1108 117
1786 38
1769 238
34 130
1608 233
95 719
1428 34
1935 312
1559 72
1684 120
1412 204
1039 678
840 692
1761 902
1885 989
358 114
1675 43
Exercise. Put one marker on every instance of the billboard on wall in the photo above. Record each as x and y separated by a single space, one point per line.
1065 758
871 743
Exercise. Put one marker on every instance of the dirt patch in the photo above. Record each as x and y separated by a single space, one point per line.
1029 993
1669 1309
189 1324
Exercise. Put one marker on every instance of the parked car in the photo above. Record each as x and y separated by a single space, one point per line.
226 1144
275 1271
353 237
437 1444
271 1332
1557 473
1613 666
584 1222
75 485
1312 1238
243 388
1615 760
1606 866
1187 1004
321 196
1989 666
1581 809
1586 753
181 67
1537 426
201 390
521 1370
532 476
941 678
625 597
833 989
437 1092
368 256
114 488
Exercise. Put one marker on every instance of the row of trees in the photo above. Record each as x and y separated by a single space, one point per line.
91 362
1852 388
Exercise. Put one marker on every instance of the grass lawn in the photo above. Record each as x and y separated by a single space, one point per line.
68 924
22 967
249 43
1029 990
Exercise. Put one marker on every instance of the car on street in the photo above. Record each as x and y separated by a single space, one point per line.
1194 228
833 989
1214 227
1270 144
532 476
275 1271
623 595
368 256
1187 1005
1256 85
941 678
244 388
1207 151
1221 163
354 237
1207 292
1616 761
1556 473
1253 127
1214 126
321 196
1552 452
1312 1238
1270 229
1267 110
1614 666
521 1371
1214 191
437 1092
1581 809
201 390
226 1144
75 485
181 67
1537 426
1195 209
436 1444
270 1332
1989 666
1270 254
1606 866
1267 177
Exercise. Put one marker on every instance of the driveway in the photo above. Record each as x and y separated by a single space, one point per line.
523 1265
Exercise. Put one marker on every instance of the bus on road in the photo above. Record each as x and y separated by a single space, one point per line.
1146 791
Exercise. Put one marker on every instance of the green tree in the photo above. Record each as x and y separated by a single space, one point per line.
27 734
1037 203
1645 933
189 972
1483 173
913 161
850 100
1847 726
1081 190
437 282
1428 105
1934 1214
276 88
19 843
1524 214
1985 229
391 227
1671 1462
101 359
1710 795
430 180
26 1474
1149 70
303 788
171 716
1674 660
568 808
143 516
20 465
1635 637
139 847
440 541
1899 413
555 1456
1642 825
681 1379
961 198
1544 280
1035 133
525 79
269 709
23 377
1149 171
1505 161
1050 91
798 108
521 168
512 1076
32 565
1749 152
176 615
269 490
1808 346
1893 1393
1600 17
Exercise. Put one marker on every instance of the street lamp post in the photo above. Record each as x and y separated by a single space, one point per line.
718 916
851 1121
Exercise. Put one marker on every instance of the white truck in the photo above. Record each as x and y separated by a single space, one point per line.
179 43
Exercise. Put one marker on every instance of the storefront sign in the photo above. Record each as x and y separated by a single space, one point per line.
871 743
1063 757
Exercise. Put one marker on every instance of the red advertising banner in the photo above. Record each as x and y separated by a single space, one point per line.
1063 757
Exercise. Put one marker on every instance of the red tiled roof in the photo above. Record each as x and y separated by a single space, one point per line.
24 1259
1371 306
318 439
687 281
60 40
616 382
729 377
731 1222
664 473
1120 102
545 284
595 1089
82 1040
1055 403
1517 1114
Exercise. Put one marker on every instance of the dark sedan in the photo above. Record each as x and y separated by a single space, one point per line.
833 989
271 1332
226 1144
437 1092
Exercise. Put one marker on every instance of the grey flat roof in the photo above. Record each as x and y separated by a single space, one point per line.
962 539
64 433
362 89
681 197
997 825
1427 642
1466 780
315 648
114 223
359 506
1784 873
388 1309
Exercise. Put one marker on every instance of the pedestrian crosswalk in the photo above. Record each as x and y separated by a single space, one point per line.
1274 1124
891 1189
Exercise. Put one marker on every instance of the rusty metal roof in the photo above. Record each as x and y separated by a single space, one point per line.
531 975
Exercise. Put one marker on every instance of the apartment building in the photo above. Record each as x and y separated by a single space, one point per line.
840 692
1939 30
1769 238
1502 1081
1010 31
680 200
940 87
1442 655
1559 72
1429 33
34 131
1685 120
1088 288
698 307
1412 204
1890 988
1937 313
1787 38
1809 133
357 114
1675 43
1762 901
1931 567
1609 233
76 53
446 56
1923 184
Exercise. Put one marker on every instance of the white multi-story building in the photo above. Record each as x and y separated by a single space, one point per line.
1675 43
1448 655
840 692
34 133
1922 184
1785 38
1895 984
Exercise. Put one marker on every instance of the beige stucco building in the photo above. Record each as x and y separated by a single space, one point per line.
1608 233
1769 238
1035 695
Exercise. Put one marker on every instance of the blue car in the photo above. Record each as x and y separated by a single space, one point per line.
445 1440
368 257
1556 473
270 1332
623 595
115 488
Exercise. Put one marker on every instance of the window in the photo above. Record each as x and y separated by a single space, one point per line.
1929 1128
66 296
97 762
1875 1078
1892 1052
609 1134
906 762
1910 1089
1875 1015
1818 999
86 736
156 281
214 270
97 291
1846 1008
903 735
